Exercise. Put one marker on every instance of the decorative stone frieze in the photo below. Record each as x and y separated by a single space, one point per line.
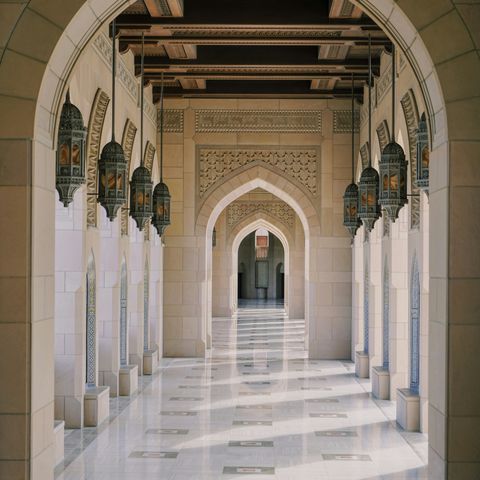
342 121
94 137
237 211
274 121
216 163
410 111
127 78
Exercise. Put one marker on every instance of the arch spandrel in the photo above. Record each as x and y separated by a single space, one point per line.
256 177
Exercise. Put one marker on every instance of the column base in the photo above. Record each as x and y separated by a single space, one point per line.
408 410
128 380
381 383
59 440
97 405
150 361
362 365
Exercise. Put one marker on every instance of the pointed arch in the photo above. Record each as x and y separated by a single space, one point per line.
94 138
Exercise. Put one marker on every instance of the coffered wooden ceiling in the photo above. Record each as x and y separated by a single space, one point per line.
252 48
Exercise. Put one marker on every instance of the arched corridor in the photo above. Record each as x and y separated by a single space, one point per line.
144 145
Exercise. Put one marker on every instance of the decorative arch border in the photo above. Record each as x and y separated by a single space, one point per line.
128 139
94 138
383 134
410 112
148 156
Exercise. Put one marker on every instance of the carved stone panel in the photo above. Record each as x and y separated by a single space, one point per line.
172 120
274 121
342 121
237 211
214 164
94 137
410 111
128 138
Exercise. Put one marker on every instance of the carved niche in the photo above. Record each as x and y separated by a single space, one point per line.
217 163
94 137
239 210
259 121
410 110
128 138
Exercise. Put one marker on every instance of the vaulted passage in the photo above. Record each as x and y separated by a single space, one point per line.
222 211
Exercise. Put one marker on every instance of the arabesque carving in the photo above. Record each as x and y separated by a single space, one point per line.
149 155
128 138
273 121
364 154
216 163
410 111
94 137
342 121
237 211
383 134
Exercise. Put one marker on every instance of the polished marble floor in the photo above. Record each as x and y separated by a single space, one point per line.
257 407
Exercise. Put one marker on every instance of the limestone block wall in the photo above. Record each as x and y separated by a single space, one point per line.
218 150
82 231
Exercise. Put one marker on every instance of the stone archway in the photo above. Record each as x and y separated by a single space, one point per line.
29 103
233 243
259 176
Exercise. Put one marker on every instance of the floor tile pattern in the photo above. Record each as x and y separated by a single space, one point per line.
279 424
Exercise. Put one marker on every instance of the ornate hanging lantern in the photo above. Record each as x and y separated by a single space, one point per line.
393 167
350 197
161 208
368 207
161 195
141 185
112 166
423 155
70 166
